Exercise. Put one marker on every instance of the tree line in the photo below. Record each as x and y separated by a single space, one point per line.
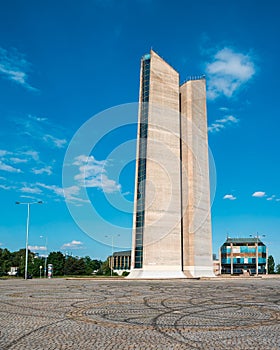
65 265
62 264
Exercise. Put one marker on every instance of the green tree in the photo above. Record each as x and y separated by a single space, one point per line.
74 266
105 269
57 259
18 260
278 268
34 267
5 261
271 264
91 265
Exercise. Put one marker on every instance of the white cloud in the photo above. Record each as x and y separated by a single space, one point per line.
33 154
73 245
92 173
34 190
271 198
224 109
220 124
259 194
46 170
70 193
227 72
230 197
14 67
4 187
59 143
9 168
16 160
3 152
37 248
37 119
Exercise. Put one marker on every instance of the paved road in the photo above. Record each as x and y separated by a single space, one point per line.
124 314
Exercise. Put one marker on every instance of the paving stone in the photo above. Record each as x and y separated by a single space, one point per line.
51 314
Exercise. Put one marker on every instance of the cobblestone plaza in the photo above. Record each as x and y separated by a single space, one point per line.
140 314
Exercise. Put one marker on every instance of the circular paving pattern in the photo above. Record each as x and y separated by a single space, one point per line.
125 314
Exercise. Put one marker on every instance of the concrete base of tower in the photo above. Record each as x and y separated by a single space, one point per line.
199 271
155 274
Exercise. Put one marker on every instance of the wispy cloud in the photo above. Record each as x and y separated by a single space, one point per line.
37 119
92 173
16 160
31 154
37 248
3 152
224 109
56 142
228 71
14 67
9 168
230 197
46 170
42 129
271 198
33 190
220 124
72 245
69 193
259 194
4 187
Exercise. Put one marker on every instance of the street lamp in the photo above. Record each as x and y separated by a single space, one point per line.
112 258
27 233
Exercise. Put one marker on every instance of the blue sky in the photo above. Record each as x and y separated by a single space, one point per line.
64 64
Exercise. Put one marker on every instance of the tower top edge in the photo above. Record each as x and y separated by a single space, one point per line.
193 78
152 53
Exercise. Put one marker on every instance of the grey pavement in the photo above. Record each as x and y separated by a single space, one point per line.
51 314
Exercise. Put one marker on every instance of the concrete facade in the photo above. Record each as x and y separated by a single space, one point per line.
172 224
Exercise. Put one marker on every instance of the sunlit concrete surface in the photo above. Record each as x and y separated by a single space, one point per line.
140 314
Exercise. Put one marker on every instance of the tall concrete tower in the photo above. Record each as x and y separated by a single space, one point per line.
172 222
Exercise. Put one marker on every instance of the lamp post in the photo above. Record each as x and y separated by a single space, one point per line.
112 258
27 234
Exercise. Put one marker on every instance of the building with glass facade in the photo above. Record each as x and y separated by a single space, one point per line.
243 255
172 235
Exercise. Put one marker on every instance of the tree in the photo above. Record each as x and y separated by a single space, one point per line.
57 259
271 264
278 268
34 267
74 266
91 265
105 269
5 261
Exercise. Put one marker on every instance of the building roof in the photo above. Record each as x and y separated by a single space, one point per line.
122 253
243 240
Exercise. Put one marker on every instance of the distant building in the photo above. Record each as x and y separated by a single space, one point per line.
216 265
243 256
121 261
13 271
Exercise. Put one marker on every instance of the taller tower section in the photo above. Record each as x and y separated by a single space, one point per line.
156 246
